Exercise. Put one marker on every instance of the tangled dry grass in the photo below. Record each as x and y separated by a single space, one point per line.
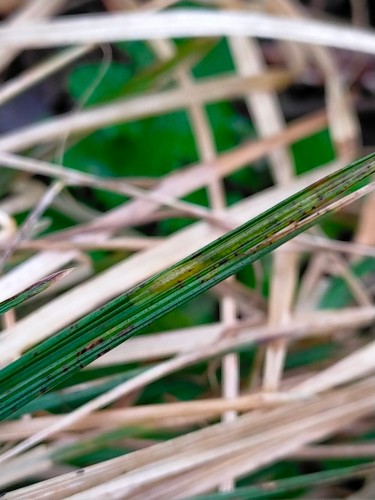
240 426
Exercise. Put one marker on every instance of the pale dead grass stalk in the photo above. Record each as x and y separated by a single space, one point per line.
206 147
264 108
181 24
132 243
318 243
133 108
336 451
344 129
32 11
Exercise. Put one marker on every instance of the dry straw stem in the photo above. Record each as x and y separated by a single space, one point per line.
8 226
343 122
183 23
342 118
130 243
246 450
234 448
364 232
294 54
67 205
283 284
314 280
322 452
312 285
31 464
316 243
266 112
32 11
31 220
193 478
203 479
354 284
72 177
39 460
205 145
207 152
153 103
263 106
356 365
23 196
150 415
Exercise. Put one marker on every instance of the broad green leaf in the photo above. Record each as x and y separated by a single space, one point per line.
82 77
76 346
122 79
312 151
217 61
117 151
32 290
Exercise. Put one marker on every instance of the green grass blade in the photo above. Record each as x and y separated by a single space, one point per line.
32 290
76 346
